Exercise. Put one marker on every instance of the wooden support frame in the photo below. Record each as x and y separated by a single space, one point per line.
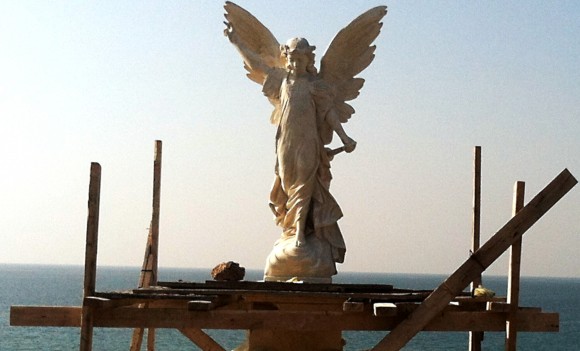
478 262
513 293
297 308
91 245
296 320
476 216
201 339
475 338
149 270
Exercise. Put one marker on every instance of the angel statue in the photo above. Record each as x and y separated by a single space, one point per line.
309 107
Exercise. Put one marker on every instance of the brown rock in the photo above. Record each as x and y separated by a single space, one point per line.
230 271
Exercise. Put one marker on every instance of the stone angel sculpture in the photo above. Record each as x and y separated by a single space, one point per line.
309 107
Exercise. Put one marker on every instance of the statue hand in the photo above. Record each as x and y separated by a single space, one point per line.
349 145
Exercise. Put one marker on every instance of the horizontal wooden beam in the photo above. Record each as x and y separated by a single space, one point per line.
353 306
404 309
507 307
45 316
283 320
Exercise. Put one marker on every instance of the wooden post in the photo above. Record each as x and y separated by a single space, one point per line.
86 342
513 294
154 230
513 230
475 239
148 275
475 338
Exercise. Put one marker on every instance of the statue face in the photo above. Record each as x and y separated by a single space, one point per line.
297 62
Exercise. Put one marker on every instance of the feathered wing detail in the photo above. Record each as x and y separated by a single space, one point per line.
349 53
258 47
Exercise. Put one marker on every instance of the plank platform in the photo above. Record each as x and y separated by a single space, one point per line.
289 306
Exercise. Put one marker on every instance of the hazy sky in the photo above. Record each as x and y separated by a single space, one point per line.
101 81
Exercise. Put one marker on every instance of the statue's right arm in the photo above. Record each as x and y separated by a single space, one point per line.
253 60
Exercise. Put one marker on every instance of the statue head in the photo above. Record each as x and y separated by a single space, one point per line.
297 46
300 47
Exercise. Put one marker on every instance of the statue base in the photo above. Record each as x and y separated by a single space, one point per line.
312 262
298 279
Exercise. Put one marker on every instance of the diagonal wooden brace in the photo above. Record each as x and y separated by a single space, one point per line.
201 339
478 262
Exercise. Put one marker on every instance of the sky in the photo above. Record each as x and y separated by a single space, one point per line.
84 82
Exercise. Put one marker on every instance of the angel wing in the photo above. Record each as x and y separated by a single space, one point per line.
349 53
258 47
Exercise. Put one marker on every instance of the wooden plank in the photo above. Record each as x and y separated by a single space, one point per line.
351 305
93 301
282 286
476 215
297 296
507 307
151 339
149 269
405 308
150 261
131 317
92 234
156 208
50 316
385 309
290 298
201 339
478 262
513 294
91 244
475 338
200 305
150 298
529 321
477 303
137 339
99 302
318 320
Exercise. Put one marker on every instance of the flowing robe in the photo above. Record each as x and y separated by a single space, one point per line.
301 186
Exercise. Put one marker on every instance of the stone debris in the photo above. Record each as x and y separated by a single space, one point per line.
230 271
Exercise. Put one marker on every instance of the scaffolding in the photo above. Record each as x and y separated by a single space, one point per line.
313 310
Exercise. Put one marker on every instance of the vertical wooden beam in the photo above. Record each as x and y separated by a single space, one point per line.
476 230
149 270
513 294
92 235
475 338
155 212
137 338
477 263
151 339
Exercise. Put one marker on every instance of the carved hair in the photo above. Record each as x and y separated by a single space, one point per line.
302 47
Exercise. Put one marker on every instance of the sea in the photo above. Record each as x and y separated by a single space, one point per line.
55 285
